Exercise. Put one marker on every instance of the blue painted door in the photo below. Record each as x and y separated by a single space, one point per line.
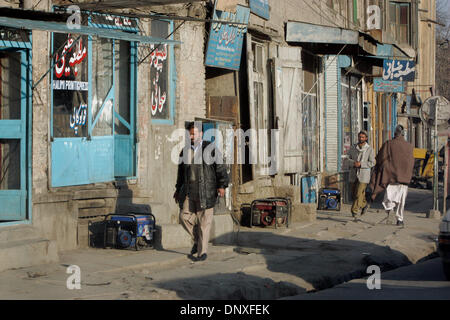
124 108
13 134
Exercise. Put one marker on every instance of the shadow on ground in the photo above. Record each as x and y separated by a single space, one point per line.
275 266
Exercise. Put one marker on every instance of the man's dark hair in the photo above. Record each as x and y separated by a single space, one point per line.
364 132
191 125
399 131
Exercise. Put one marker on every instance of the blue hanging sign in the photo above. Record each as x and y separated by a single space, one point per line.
399 70
380 85
260 8
226 40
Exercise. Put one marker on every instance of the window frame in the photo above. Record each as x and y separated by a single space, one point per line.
396 25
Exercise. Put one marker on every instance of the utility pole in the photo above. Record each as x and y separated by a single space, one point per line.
436 161
445 178
435 213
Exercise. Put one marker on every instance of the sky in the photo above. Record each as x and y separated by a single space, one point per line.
445 4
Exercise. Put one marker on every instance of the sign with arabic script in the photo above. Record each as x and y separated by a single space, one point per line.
226 40
260 8
160 73
399 70
380 85
70 86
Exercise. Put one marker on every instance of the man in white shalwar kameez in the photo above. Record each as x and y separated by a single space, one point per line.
395 198
393 172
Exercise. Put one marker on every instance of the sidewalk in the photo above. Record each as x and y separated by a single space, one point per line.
263 264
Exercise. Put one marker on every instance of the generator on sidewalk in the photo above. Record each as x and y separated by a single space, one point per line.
129 231
329 199
270 212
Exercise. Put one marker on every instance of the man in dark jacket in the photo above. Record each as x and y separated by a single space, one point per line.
393 173
199 182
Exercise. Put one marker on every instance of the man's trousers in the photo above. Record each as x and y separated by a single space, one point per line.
197 223
395 197
359 196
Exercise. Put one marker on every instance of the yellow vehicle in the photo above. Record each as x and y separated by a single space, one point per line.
423 168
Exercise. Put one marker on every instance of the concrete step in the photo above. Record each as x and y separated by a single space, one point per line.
26 253
17 233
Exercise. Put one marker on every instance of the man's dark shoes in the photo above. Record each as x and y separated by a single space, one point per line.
400 223
364 210
202 257
194 249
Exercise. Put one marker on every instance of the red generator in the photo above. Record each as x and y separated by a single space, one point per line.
271 212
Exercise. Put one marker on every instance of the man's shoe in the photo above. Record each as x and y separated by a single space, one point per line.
400 223
194 249
202 257
364 210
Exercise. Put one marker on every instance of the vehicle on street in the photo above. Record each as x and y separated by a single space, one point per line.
444 243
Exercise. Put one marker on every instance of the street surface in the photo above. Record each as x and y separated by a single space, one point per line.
422 281
262 264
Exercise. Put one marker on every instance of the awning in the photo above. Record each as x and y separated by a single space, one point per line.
311 33
83 30
385 51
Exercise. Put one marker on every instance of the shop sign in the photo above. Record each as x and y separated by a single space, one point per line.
226 39
260 8
399 70
114 21
70 85
13 35
380 85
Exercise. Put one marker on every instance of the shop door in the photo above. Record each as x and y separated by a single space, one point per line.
13 133
288 77
124 108
257 52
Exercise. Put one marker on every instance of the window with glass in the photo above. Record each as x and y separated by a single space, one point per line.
94 101
70 86
352 110
400 25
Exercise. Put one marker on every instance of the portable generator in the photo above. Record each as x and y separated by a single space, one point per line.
270 212
128 231
329 199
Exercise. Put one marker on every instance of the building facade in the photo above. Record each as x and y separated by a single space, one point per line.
89 116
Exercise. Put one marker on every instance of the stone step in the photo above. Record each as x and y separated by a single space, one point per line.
17 233
26 253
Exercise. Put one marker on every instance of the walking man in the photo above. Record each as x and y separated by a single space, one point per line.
199 183
393 173
362 159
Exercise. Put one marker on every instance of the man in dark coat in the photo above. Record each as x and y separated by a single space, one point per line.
201 178
393 173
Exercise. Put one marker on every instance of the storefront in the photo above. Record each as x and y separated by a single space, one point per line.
93 105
